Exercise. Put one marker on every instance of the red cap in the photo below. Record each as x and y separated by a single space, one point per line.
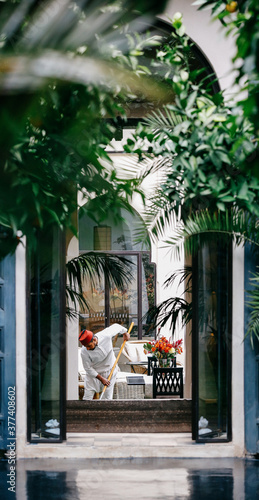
85 337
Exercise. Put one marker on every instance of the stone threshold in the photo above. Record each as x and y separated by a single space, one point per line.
129 445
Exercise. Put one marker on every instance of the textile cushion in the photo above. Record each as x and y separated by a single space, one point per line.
140 352
131 350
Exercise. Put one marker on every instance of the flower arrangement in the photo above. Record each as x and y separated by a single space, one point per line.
164 350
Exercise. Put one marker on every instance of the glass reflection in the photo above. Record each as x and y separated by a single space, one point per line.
94 318
185 479
45 338
213 341
123 301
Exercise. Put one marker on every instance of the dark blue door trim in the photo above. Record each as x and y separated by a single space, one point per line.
251 372
7 347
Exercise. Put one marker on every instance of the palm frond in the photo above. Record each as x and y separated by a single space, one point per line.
174 310
184 277
93 267
129 167
162 121
203 226
140 235
40 41
160 216
76 299
177 310
253 327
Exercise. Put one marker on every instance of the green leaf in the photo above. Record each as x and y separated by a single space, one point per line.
35 189
221 206
243 191
202 176
227 199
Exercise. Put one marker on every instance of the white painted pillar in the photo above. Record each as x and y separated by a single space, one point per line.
238 420
21 361
72 337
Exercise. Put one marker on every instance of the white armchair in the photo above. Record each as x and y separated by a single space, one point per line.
134 353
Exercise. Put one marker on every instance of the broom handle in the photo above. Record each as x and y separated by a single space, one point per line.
116 361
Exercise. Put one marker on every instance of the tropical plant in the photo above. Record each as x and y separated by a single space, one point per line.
201 145
203 226
237 226
200 229
175 310
61 89
241 19
93 267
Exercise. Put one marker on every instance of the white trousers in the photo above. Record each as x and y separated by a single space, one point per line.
93 385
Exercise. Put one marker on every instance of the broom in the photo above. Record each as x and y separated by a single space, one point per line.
116 361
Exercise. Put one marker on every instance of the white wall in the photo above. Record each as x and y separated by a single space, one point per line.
209 36
72 337
238 420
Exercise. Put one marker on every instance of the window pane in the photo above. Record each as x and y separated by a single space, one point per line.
94 318
123 304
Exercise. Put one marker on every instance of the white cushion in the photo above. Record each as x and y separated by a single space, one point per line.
131 350
140 352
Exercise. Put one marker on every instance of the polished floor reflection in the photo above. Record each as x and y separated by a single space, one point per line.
147 479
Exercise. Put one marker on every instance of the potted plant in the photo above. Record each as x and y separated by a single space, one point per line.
163 350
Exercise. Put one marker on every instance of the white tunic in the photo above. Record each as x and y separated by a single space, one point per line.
101 359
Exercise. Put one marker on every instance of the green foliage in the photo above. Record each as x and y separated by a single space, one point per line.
174 310
243 23
93 267
203 145
203 148
61 149
61 88
203 226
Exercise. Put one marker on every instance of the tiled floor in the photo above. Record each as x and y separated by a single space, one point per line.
178 439
128 445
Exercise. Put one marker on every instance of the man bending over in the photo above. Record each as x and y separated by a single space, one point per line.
98 359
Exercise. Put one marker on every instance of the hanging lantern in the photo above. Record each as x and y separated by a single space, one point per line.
102 238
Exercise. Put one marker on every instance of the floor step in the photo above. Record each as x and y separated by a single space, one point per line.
159 415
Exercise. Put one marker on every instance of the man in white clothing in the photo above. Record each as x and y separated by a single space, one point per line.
98 359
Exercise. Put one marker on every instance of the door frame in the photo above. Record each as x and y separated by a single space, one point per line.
7 351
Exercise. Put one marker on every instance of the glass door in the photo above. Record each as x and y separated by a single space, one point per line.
212 278
46 373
